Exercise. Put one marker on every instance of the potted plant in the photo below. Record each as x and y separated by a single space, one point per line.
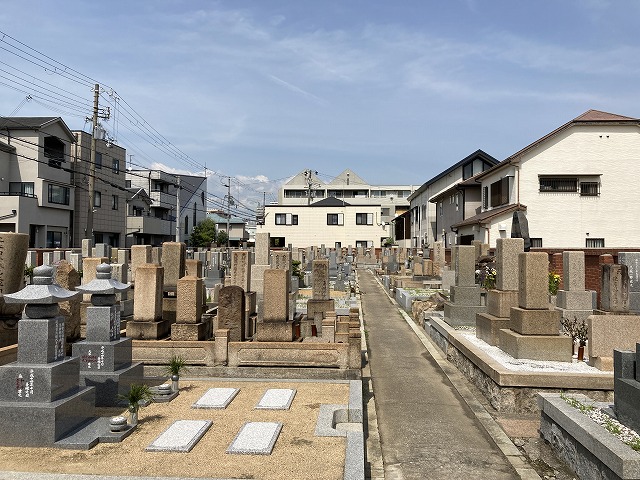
137 396
173 368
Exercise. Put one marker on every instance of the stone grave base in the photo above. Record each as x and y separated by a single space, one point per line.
148 330
110 384
191 331
627 402
608 332
42 424
460 315
579 315
169 308
511 391
535 322
294 354
499 302
584 445
536 347
488 327
579 300
274 332
467 295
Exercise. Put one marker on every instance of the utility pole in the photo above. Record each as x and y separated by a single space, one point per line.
88 233
309 178
178 209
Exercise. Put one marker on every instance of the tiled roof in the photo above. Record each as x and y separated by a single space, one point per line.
29 123
484 216
330 202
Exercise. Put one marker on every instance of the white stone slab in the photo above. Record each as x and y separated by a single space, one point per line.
256 438
276 399
217 398
181 436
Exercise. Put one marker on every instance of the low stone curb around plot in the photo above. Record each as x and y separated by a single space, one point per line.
276 399
181 436
256 438
216 398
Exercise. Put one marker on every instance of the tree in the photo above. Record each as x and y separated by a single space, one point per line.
204 233
221 238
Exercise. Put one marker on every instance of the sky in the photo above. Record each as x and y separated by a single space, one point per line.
258 91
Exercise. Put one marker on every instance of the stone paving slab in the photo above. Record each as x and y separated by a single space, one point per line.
217 398
256 438
181 436
276 399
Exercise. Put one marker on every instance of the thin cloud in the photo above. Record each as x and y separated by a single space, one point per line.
297 90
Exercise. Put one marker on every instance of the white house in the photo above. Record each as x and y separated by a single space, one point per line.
576 184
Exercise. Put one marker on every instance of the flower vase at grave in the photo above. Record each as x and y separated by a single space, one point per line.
175 383
581 353
133 417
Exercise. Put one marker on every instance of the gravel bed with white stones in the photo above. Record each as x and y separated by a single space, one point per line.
526 365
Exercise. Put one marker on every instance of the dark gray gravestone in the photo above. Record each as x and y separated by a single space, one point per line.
105 358
40 400
520 229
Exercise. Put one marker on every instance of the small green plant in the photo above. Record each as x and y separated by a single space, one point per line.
295 270
576 403
28 271
554 283
387 242
635 444
136 397
612 427
176 365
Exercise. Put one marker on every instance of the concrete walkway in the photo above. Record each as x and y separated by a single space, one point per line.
426 428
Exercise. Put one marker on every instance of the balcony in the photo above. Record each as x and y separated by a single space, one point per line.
150 225
162 199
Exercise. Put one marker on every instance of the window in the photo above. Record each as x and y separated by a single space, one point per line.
335 219
97 199
115 166
467 171
286 219
58 194
440 208
362 243
24 189
127 183
424 212
594 243
186 224
457 202
364 218
485 197
54 151
98 160
114 202
589 189
138 211
551 184
500 192
54 239
194 214
536 243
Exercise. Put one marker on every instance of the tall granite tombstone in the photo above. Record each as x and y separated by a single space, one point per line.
467 298
534 329
241 277
321 301
632 261
520 228
262 259
148 323
68 278
275 325
13 253
40 398
573 301
173 261
504 295
231 308
190 324
105 357
140 255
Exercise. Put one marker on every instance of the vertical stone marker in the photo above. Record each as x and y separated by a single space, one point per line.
632 261
535 329
320 280
614 291
275 326
505 295
148 323
189 324
466 297
68 278
173 261
41 402
105 358
231 307
241 269
140 255
13 254
574 301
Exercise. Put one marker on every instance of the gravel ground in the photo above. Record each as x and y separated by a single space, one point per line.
297 454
